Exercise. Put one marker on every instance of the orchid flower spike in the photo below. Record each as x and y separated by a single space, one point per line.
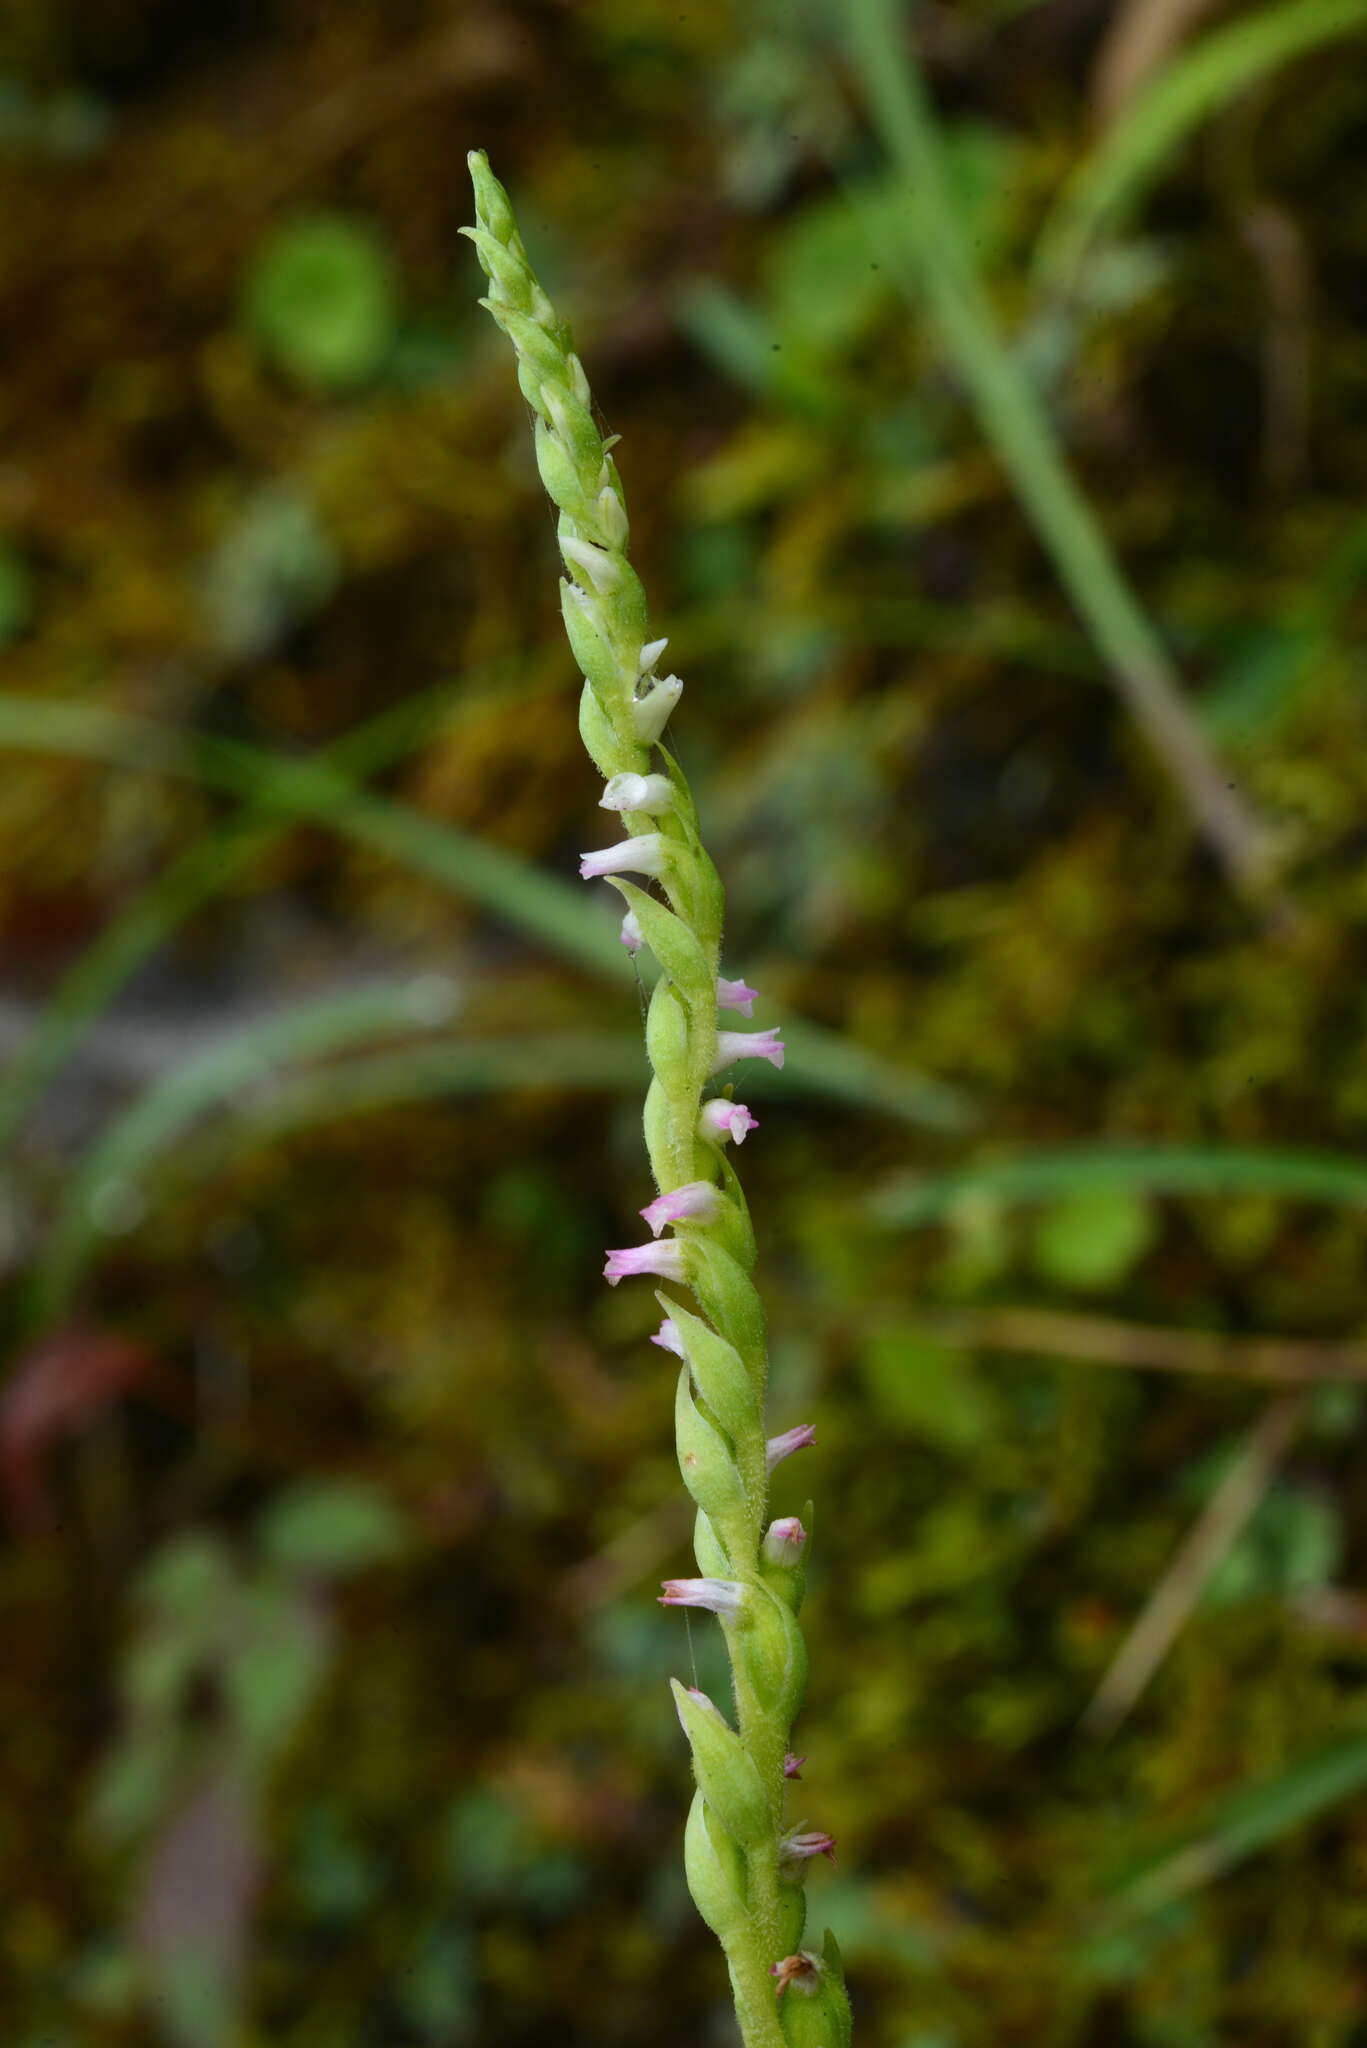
651 793
780 1447
722 1119
722 1597
641 856
736 1829
697 1201
665 1259
748 1045
734 995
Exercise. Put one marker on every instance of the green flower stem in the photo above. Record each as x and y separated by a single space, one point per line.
743 1876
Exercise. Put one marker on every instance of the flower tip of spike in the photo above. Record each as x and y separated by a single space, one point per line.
721 1119
665 1260
748 1045
668 1339
643 855
696 1200
722 1597
734 995
780 1447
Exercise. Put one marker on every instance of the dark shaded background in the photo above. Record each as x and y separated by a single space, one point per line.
332 1695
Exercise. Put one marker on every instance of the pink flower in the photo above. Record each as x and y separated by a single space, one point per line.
796 1849
748 1045
668 1339
734 995
665 1259
722 1119
792 1765
643 855
721 1596
780 1447
783 1541
638 793
631 935
696 1199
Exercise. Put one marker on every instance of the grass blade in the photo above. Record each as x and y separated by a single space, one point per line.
109 960
1107 186
555 913
1241 1824
1149 1169
111 1170
935 263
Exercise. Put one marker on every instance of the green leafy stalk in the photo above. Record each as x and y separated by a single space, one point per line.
744 1863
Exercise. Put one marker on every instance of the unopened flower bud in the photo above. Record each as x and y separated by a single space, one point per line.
631 935
668 1339
780 1447
722 1119
651 793
643 855
792 1765
783 1541
664 1259
699 1699
696 1200
734 995
748 1045
650 715
612 517
720 1596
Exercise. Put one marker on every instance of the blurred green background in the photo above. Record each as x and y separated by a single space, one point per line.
984 373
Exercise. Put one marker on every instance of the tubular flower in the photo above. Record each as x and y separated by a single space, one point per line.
734 995
722 1597
641 856
667 1337
748 1045
650 714
664 1259
697 1201
780 1447
721 1119
638 793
